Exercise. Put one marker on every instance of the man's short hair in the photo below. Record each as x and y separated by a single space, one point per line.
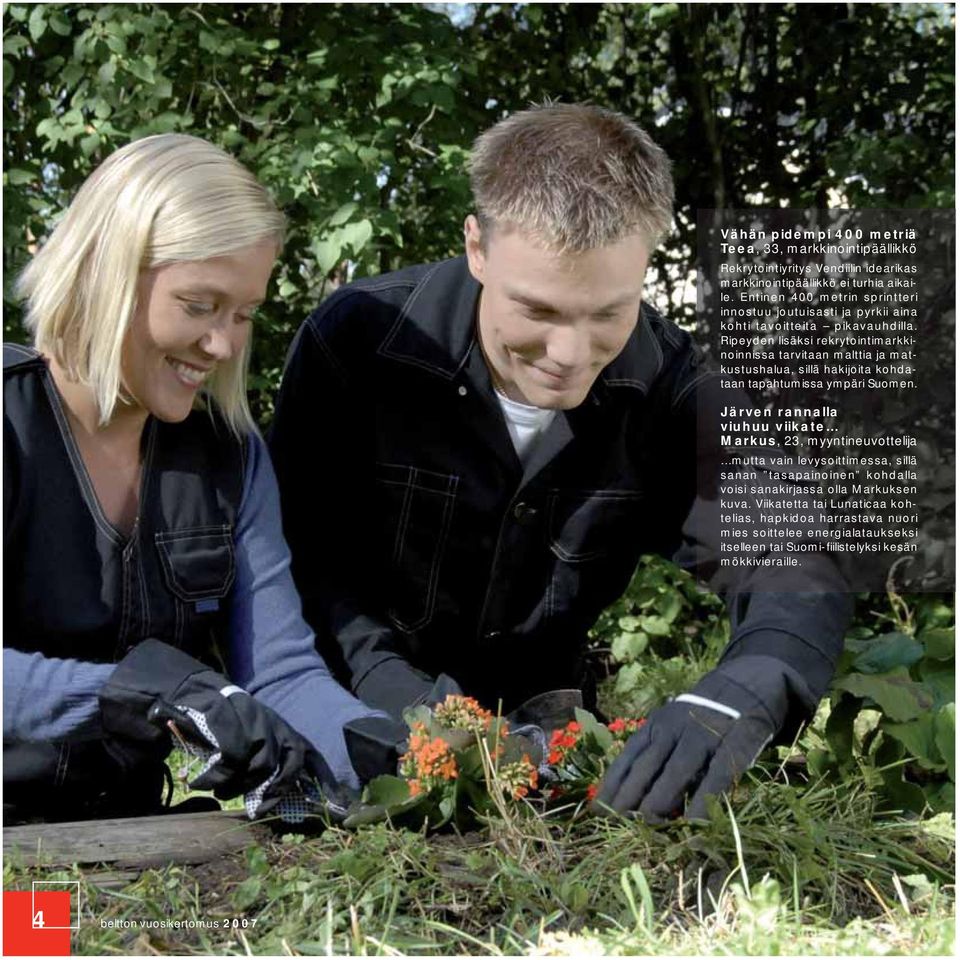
163 199
575 176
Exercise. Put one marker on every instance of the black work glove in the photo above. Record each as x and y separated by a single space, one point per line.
700 743
442 687
394 685
156 683
375 744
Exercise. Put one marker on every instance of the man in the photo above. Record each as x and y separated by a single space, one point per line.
473 455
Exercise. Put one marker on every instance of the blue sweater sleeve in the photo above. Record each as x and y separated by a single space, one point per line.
272 649
45 698
272 652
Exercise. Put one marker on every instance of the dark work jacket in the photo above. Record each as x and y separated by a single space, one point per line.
75 587
421 545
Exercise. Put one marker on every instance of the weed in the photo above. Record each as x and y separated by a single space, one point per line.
805 858
784 866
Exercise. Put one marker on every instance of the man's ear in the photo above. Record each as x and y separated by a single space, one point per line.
473 246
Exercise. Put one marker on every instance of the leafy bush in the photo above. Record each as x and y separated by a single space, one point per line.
658 639
359 116
892 706
890 716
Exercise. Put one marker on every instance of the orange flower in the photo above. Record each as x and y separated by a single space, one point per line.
534 775
532 778
458 712
448 769
436 758
563 741
592 791
622 727
418 736
518 779
427 763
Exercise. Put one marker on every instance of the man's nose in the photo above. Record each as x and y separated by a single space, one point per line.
568 346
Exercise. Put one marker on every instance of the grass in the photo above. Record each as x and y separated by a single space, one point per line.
183 767
788 869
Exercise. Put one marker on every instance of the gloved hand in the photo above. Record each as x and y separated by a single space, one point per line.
394 685
701 742
375 744
156 683
442 687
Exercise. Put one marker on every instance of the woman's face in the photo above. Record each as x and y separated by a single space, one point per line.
190 317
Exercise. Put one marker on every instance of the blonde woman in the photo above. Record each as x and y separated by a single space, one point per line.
147 586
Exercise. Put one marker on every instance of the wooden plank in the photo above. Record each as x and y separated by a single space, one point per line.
111 879
134 842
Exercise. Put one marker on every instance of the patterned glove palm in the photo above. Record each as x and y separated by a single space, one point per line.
245 751
156 685
700 743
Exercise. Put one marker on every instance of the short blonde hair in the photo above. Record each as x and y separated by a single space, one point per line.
575 176
163 199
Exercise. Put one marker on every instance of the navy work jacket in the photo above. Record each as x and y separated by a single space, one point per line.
422 546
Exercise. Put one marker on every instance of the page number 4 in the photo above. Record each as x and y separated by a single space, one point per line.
39 922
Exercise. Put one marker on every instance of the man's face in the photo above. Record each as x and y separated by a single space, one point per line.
549 322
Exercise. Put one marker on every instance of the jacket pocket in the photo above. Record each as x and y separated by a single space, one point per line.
585 525
595 536
416 511
198 563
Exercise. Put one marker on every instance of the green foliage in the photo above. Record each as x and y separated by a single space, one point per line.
892 708
890 718
795 868
359 116
344 111
660 637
